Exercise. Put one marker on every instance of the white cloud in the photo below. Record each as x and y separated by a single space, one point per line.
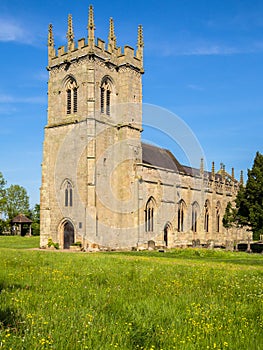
211 50
8 99
41 76
195 87
10 31
204 48
5 98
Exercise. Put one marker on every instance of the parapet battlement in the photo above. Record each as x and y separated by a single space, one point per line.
107 52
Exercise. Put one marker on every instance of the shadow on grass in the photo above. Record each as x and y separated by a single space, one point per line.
10 317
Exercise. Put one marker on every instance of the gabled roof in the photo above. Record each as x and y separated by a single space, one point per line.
21 219
163 158
160 157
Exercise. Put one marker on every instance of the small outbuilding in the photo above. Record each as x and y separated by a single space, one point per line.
21 225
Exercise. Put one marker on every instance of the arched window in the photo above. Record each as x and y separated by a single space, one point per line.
181 209
168 228
72 96
218 206
149 215
105 96
68 194
194 216
206 218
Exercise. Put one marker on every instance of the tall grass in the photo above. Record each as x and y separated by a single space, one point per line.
185 299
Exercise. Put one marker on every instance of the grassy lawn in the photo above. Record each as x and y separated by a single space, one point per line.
18 242
183 299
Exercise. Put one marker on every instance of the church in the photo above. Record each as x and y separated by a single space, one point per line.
101 185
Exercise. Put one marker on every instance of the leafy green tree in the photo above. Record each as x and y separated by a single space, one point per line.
230 216
242 207
2 192
35 217
17 201
2 203
254 196
249 201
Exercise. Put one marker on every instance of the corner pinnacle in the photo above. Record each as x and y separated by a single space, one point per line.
112 37
91 28
70 34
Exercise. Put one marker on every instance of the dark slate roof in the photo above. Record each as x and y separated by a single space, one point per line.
21 219
163 158
192 171
160 157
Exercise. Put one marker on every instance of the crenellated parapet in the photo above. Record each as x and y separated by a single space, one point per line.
108 52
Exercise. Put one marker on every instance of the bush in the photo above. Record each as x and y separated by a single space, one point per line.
35 229
50 244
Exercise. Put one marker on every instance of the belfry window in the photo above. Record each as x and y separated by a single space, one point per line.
75 100
108 103
181 216
72 96
105 97
149 215
68 195
68 101
102 99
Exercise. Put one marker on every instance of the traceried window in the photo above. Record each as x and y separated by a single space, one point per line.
68 194
72 96
149 215
106 96
218 217
194 216
206 218
180 216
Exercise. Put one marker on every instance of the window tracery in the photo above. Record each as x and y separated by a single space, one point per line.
68 194
181 210
149 215
106 97
206 218
72 96
194 216
218 217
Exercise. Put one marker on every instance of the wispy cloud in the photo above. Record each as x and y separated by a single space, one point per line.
12 30
5 98
210 49
195 87
8 99
41 76
205 48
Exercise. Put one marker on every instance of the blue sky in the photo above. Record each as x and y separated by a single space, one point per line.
203 62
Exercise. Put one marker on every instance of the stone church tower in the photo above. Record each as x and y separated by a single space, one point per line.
92 140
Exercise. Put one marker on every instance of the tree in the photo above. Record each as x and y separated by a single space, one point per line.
35 217
2 202
229 217
2 192
17 201
249 199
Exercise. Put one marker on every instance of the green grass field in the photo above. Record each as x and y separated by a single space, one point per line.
183 299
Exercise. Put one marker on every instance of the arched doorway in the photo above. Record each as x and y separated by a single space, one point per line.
68 235
166 233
